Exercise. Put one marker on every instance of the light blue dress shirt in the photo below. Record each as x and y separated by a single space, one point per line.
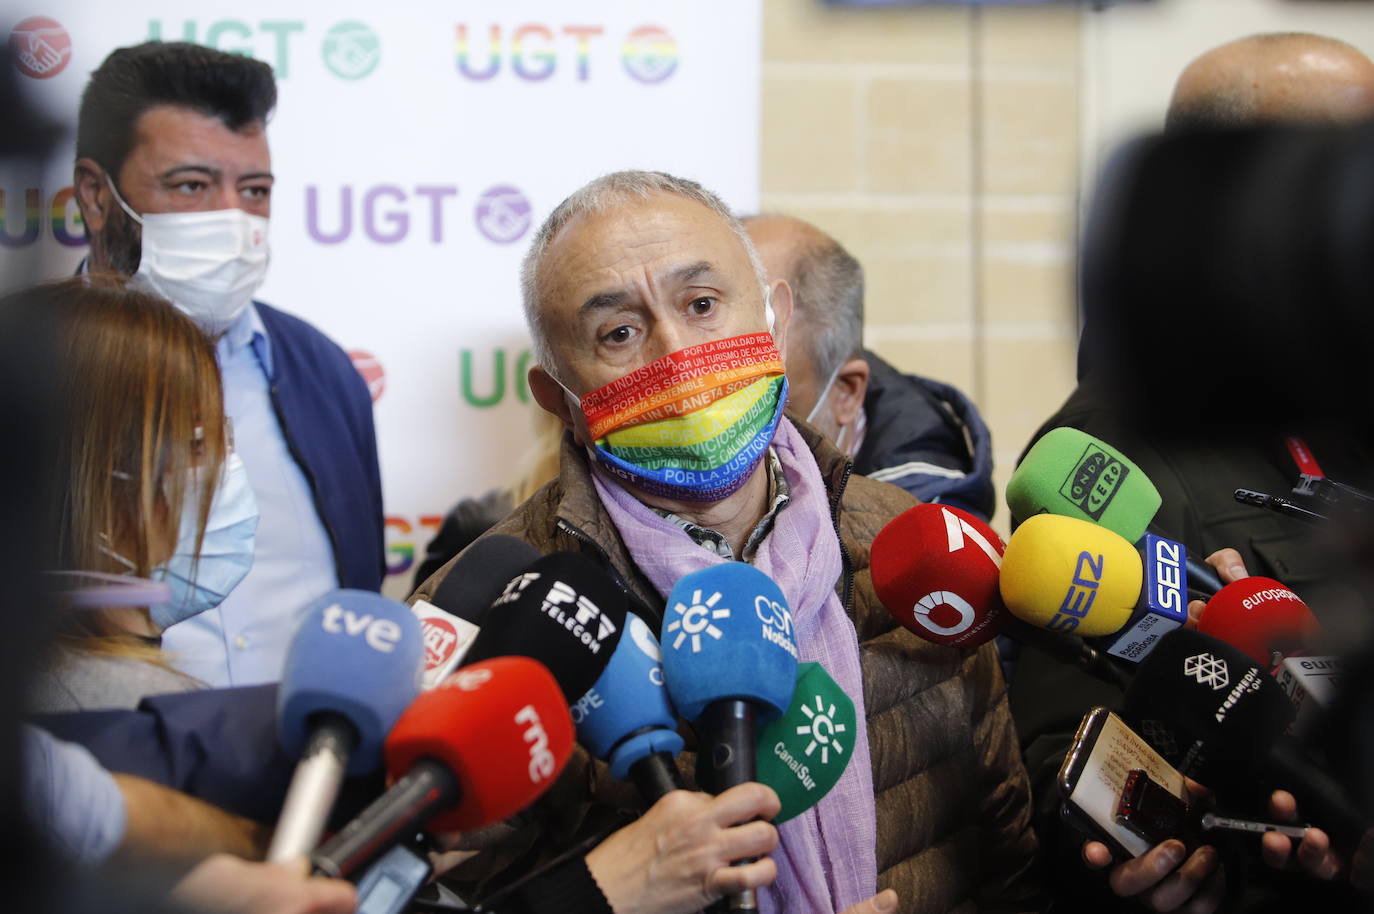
244 640
71 799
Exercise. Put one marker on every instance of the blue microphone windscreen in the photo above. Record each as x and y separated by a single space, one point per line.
727 633
627 700
356 654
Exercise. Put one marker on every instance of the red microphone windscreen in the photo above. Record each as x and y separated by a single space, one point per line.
501 726
935 570
1259 616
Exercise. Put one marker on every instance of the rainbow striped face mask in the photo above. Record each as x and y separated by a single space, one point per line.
692 425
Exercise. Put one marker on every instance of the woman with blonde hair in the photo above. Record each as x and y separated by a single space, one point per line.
155 517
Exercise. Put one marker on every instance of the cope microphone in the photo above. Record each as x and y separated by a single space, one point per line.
626 718
454 613
1070 473
353 666
1218 717
730 660
562 611
474 751
802 754
1070 575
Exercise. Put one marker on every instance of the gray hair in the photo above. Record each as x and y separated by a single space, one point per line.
598 196
828 299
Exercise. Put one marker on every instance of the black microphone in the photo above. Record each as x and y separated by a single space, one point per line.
1218 717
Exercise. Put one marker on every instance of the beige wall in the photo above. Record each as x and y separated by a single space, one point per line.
940 145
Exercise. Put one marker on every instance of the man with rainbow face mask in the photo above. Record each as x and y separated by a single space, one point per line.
659 347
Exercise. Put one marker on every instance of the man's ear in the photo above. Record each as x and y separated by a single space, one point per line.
781 297
552 398
847 397
93 195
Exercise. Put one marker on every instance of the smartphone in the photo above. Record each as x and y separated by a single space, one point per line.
1096 768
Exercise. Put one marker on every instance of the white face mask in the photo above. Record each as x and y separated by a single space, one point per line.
208 264
854 432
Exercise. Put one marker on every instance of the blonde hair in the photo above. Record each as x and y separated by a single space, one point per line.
142 413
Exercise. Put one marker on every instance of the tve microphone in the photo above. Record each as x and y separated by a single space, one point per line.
1217 716
563 611
802 754
626 719
453 615
353 666
1071 473
730 659
477 749
1069 575
935 569
1261 617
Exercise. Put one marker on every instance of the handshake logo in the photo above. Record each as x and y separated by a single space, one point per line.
40 47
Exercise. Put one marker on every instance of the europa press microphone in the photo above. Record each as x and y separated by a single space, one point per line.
453 614
1217 716
730 661
626 718
474 751
1070 473
353 666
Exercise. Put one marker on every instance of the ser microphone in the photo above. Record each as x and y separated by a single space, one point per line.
730 660
453 614
802 754
352 668
1073 474
626 718
476 750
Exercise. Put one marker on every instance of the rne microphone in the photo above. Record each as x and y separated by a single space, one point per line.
562 611
1073 474
730 660
626 718
453 614
1064 574
353 666
476 750
802 754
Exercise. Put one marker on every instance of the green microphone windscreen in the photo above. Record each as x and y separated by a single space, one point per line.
802 754
1070 473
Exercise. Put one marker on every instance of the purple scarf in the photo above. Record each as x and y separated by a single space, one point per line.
826 857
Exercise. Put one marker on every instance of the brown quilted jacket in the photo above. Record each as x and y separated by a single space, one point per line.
952 799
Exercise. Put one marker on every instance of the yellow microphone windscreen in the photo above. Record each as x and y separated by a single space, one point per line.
1070 575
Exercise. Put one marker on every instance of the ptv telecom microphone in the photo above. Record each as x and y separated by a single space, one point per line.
730 660
626 718
935 570
477 749
453 614
352 668
1216 716
1069 575
802 754
1070 473
563 611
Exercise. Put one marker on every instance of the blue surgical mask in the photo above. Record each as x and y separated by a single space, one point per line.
226 551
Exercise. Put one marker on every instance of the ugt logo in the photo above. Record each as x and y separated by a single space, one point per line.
40 47
1095 481
351 50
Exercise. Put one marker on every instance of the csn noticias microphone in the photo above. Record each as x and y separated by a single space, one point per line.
562 611
1070 473
802 754
1064 574
730 660
626 718
1218 717
453 614
474 751
353 666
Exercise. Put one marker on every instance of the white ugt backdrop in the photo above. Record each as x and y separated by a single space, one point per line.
416 147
